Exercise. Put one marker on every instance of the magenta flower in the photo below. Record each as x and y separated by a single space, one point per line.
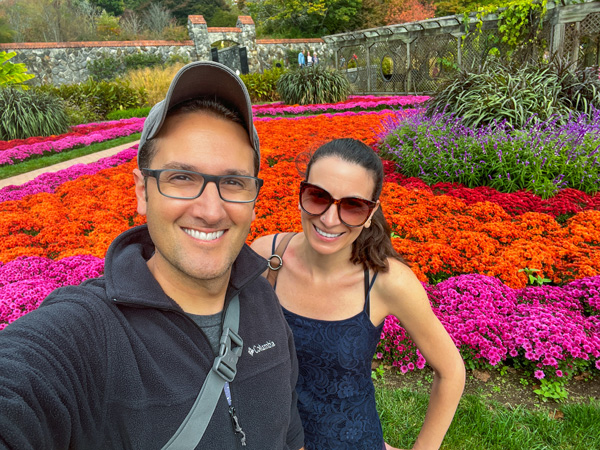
539 374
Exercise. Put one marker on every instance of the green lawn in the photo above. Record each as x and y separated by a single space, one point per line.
483 424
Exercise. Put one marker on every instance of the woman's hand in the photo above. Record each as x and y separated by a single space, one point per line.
389 447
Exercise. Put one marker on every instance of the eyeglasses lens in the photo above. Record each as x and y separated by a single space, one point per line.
183 184
352 211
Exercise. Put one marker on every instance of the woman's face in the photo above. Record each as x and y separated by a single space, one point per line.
326 233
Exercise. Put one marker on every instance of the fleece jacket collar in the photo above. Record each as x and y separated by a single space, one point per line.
129 281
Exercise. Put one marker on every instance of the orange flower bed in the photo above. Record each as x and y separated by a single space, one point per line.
440 235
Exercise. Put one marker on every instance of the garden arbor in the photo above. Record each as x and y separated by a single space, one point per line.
414 57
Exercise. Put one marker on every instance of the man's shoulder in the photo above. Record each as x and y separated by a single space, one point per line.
90 295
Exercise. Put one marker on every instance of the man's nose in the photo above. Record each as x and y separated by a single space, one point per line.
209 206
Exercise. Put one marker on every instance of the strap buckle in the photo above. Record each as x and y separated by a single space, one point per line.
229 352
279 262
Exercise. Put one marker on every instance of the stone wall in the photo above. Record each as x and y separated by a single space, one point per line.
271 50
67 62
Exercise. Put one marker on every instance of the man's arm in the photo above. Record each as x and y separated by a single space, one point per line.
45 374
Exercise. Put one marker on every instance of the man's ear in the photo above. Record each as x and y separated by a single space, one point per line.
140 192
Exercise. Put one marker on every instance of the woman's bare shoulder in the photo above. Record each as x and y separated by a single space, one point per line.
399 284
263 245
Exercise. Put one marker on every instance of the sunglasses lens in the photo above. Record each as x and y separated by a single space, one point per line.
354 211
315 200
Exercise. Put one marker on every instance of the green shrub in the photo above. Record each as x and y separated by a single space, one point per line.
315 84
128 113
177 59
262 87
292 57
140 60
500 91
81 113
24 114
105 68
97 99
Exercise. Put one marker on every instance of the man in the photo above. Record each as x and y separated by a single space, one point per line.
119 361
301 59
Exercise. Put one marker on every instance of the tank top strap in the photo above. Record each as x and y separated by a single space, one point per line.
368 287
274 243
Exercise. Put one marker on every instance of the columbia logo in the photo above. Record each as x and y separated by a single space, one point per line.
260 348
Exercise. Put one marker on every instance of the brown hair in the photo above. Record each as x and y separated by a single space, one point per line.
373 246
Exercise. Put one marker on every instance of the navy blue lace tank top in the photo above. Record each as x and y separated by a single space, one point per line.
336 397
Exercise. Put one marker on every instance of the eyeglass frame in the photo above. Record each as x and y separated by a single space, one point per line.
372 205
155 173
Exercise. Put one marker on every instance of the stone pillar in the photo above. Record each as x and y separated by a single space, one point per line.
248 40
199 35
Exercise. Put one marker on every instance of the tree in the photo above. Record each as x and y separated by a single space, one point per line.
372 14
451 7
6 32
114 7
51 20
181 9
313 18
403 11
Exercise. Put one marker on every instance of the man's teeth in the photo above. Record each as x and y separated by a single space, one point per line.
204 236
327 235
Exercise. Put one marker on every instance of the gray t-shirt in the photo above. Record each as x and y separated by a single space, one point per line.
211 325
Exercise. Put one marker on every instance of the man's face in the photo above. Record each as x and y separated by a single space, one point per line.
197 240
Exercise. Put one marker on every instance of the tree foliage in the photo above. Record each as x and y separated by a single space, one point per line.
6 32
313 17
181 9
451 7
114 7
402 11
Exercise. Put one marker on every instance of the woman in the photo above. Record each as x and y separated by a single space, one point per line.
337 281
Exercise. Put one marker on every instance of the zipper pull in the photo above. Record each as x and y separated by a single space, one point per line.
236 425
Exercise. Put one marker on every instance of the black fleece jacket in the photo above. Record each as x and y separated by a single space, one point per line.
116 364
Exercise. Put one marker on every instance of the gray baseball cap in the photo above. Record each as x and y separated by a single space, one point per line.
203 79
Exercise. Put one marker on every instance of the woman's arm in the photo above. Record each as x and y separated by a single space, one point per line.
403 296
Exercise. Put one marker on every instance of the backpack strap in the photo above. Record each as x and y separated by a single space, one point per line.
191 430
276 259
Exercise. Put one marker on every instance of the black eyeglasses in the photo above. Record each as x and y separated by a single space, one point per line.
187 185
352 211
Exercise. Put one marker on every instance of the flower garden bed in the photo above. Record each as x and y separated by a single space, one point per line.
469 247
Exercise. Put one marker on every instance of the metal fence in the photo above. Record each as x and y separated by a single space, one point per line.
414 58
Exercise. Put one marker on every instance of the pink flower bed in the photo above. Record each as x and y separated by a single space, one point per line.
491 322
26 281
76 130
403 113
362 101
21 152
49 181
